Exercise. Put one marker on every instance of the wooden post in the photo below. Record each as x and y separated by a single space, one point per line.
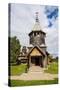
42 61
39 60
29 61
45 61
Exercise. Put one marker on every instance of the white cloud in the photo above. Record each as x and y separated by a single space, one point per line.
52 38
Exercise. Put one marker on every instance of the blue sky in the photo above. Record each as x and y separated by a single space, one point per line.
23 20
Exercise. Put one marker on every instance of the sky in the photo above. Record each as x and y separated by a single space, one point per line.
23 20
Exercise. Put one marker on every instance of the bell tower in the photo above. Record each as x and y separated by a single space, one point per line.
37 36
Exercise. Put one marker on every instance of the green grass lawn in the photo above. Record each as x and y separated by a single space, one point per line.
17 69
52 68
33 82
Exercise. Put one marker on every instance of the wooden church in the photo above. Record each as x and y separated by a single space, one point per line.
37 54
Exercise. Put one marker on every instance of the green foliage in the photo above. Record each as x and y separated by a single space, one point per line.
18 69
14 49
33 82
52 68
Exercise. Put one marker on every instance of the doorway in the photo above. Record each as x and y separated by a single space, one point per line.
37 60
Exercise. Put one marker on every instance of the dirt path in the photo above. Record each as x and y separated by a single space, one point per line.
35 73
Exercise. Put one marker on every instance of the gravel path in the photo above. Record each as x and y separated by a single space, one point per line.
35 73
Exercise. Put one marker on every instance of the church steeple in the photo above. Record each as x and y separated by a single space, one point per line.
37 36
36 26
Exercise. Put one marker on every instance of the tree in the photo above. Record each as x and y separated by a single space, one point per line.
14 49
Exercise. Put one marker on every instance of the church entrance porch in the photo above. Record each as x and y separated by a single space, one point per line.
36 57
37 61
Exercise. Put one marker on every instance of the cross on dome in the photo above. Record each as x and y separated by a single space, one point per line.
37 20
36 26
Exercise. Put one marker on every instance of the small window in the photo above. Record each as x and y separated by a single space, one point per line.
34 34
38 33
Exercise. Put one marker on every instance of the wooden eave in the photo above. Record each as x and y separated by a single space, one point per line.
38 50
36 31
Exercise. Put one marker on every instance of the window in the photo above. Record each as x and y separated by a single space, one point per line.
38 33
34 34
